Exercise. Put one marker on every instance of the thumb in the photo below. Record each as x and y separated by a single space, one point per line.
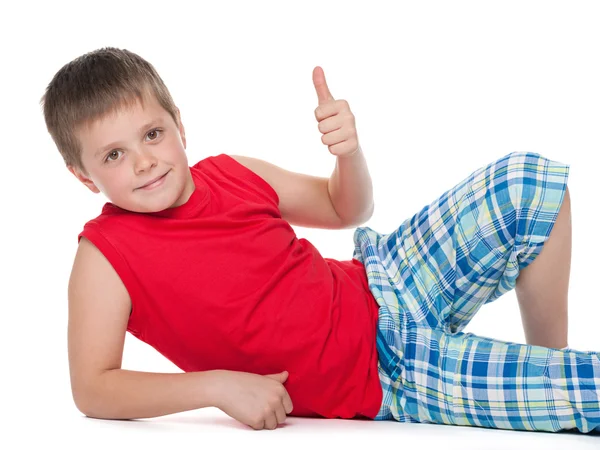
281 376
323 94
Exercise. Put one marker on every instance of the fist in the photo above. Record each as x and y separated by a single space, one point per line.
336 121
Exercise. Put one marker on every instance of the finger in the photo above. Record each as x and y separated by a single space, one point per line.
323 94
280 413
335 137
287 403
271 422
331 124
331 109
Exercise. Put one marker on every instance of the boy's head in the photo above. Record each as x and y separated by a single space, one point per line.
117 128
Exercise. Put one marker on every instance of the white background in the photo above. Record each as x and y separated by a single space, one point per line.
438 90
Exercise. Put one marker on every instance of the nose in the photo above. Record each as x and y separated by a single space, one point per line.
144 161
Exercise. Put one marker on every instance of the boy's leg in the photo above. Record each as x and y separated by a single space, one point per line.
441 265
468 247
468 380
542 287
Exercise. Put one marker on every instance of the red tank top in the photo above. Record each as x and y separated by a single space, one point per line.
222 282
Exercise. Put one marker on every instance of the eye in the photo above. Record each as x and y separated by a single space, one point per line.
155 131
108 157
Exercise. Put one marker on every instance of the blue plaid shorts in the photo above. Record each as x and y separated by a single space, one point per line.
432 274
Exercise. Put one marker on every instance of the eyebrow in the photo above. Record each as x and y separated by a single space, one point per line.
114 144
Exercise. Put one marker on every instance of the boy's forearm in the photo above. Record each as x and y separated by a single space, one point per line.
127 394
351 189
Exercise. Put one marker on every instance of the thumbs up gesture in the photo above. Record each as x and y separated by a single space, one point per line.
336 121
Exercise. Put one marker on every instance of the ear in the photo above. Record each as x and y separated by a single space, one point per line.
85 180
181 128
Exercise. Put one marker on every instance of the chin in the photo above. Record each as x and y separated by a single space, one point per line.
149 207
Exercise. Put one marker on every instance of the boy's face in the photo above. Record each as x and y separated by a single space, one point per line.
125 151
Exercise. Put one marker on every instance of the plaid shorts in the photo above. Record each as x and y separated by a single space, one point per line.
432 274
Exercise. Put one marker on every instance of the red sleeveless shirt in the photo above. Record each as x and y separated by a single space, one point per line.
222 282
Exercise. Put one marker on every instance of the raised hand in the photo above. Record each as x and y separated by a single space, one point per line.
336 121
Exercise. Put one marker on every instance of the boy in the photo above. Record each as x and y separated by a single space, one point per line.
202 264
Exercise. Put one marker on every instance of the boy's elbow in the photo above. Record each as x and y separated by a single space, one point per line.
83 407
82 403
362 219
89 410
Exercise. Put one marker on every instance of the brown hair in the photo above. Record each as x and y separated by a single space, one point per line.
94 85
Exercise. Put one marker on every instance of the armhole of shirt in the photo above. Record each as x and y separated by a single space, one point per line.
93 234
244 173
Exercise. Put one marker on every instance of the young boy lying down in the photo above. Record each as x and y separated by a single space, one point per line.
201 263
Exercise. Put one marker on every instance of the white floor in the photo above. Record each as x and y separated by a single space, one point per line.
210 428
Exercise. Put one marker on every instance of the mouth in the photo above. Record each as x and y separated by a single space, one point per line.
154 182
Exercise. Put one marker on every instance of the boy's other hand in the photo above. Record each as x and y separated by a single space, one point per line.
336 121
259 401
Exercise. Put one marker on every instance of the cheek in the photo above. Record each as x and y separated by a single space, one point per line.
183 159
118 182
182 156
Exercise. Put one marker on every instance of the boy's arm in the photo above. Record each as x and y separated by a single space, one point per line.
127 394
260 401
99 309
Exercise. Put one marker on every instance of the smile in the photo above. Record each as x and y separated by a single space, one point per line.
155 184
